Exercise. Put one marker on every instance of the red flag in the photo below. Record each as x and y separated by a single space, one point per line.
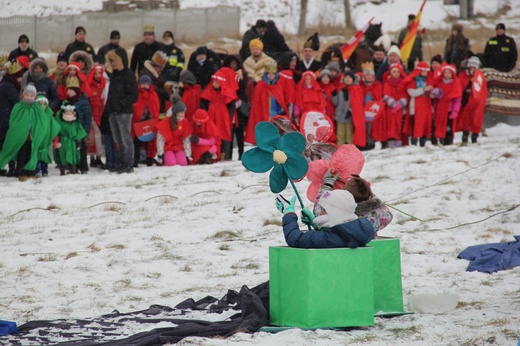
409 39
348 48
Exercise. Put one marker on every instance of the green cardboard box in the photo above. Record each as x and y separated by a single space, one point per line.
321 288
388 289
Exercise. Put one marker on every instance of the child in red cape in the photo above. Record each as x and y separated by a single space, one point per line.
308 96
396 99
475 92
175 131
447 94
220 96
418 85
205 143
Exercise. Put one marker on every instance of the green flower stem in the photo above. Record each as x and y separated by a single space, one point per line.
295 191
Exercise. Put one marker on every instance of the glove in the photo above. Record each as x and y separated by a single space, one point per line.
56 144
285 206
194 139
330 178
397 107
308 218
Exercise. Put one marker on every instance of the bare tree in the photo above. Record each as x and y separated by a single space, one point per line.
303 17
348 21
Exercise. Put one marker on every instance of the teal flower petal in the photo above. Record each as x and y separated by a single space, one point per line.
278 179
257 160
267 136
297 166
292 142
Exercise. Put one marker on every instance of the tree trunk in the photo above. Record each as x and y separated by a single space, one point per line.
303 17
348 21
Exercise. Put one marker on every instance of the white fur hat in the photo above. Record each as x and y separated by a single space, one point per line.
394 49
473 61
339 205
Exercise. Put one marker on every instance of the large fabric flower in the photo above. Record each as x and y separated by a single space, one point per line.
283 155
347 160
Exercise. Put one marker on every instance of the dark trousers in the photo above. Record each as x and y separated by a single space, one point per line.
24 155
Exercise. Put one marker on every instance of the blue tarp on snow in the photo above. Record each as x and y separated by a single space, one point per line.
490 258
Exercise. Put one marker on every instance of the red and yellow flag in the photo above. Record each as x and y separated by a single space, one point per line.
348 48
409 39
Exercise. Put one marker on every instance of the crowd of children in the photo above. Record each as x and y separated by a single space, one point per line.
107 111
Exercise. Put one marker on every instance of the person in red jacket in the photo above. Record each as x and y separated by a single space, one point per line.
418 85
447 93
219 98
96 82
205 143
373 91
308 96
145 108
474 96
175 131
268 100
396 99
328 88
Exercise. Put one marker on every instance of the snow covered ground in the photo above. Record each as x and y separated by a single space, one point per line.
83 245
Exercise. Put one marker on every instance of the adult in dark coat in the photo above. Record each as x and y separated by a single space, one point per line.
500 52
115 36
80 44
144 51
308 62
122 94
456 48
274 42
10 88
23 49
203 64
173 68
256 31
38 75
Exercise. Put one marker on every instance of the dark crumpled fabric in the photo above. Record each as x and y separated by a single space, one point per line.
252 306
490 258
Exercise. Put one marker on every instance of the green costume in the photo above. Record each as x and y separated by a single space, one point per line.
44 154
70 133
28 122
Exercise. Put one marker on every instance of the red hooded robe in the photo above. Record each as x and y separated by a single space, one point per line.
204 130
309 98
451 91
97 103
393 89
191 98
261 105
423 117
471 116
219 99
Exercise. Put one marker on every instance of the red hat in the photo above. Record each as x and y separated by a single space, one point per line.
423 65
24 61
200 116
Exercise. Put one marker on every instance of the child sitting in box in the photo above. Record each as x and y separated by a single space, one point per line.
341 227
350 217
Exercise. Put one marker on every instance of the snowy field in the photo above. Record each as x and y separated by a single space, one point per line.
83 245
